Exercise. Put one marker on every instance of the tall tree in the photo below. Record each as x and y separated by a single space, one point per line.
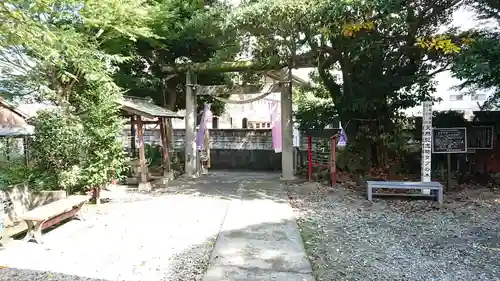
190 32
386 51
57 46
478 65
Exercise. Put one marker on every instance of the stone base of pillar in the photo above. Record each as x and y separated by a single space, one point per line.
292 178
169 176
5 241
192 176
163 181
145 186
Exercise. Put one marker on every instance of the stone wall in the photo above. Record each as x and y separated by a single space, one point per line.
220 138
24 200
233 139
244 149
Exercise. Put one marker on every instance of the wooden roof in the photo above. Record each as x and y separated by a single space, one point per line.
13 121
12 108
146 108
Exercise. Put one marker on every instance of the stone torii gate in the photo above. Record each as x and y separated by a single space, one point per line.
191 153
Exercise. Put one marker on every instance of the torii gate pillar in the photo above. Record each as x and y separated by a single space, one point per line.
190 119
286 126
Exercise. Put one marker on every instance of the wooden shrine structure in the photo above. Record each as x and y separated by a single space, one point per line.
141 112
14 124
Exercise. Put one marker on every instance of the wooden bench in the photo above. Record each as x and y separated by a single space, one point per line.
53 213
433 186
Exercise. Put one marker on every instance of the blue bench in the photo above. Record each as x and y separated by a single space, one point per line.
436 186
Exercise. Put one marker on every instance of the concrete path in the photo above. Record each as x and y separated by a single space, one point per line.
259 239
170 235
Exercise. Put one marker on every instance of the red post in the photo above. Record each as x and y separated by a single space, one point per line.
309 157
333 163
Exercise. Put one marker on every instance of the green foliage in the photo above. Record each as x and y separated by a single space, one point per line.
315 115
58 47
189 32
79 150
449 118
105 156
375 47
478 66
13 172
153 155
314 107
59 144
49 46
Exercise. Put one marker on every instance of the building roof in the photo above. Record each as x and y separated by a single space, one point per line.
16 130
13 108
13 121
146 108
32 109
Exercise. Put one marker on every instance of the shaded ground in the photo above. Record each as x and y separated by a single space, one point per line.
170 235
166 238
349 238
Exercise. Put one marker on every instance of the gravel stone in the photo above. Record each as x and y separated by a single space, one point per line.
349 238
137 236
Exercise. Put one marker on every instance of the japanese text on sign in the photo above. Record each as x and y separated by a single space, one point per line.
449 140
426 142
480 137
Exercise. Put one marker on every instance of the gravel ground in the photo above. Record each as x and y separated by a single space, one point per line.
135 237
350 238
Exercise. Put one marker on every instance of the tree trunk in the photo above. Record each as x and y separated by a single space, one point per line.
96 195
169 102
358 147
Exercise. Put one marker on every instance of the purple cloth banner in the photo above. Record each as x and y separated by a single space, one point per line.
342 138
276 125
200 135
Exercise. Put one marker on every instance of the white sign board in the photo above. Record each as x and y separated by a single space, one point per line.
426 143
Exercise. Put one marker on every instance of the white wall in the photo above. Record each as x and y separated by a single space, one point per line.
259 110
463 19
448 95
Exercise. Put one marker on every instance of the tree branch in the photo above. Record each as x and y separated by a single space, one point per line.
324 65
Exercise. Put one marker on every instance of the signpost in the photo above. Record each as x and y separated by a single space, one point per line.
480 137
426 144
448 141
